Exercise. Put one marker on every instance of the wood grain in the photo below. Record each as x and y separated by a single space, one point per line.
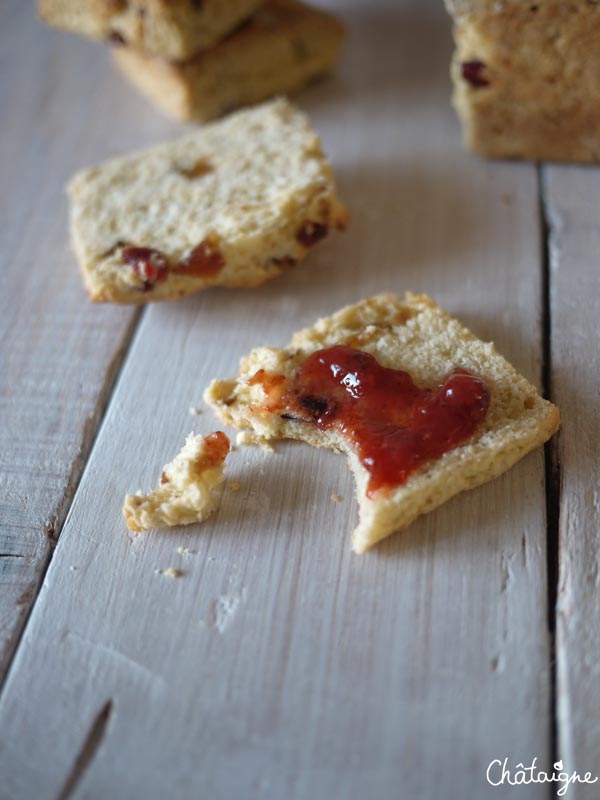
280 665
571 196
59 355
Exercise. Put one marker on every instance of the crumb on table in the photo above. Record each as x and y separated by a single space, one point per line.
170 572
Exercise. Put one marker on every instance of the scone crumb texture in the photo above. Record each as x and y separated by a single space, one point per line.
171 572
188 486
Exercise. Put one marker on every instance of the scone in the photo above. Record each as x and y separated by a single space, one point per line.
232 204
174 29
526 78
187 491
284 46
421 407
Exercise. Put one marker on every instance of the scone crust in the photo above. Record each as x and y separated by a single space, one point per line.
175 29
283 47
414 334
263 178
533 91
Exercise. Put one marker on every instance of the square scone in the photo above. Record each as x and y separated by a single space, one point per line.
281 49
526 78
232 204
421 407
169 28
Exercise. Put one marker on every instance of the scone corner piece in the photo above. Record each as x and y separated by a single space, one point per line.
187 490
414 334
233 204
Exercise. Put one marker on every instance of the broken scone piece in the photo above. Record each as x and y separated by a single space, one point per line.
187 489
232 204
422 408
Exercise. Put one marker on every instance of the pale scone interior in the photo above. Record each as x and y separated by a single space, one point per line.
415 335
232 204
188 487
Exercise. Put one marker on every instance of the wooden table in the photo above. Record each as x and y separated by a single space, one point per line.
280 665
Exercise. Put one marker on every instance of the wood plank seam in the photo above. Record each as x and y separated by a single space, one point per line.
89 748
58 516
551 462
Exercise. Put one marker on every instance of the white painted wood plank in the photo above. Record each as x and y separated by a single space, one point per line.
572 201
59 355
402 672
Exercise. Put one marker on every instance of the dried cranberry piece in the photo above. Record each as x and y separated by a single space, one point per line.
200 168
204 261
311 232
317 407
115 38
472 73
151 266
284 261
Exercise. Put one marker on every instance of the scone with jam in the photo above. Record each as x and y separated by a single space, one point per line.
421 407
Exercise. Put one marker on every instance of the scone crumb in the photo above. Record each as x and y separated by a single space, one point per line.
336 498
247 439
195 411
234 487
171 572
188 489
185 551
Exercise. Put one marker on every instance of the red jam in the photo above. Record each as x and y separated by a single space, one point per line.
216 449
392 425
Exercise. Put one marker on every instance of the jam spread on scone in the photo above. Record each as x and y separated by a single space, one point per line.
393 426
216 449
152 266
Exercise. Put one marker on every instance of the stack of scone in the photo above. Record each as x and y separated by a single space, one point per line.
199 59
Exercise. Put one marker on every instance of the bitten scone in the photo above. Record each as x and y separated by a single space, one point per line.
232 204
187 489
169 28
422 408
526 78
284 46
